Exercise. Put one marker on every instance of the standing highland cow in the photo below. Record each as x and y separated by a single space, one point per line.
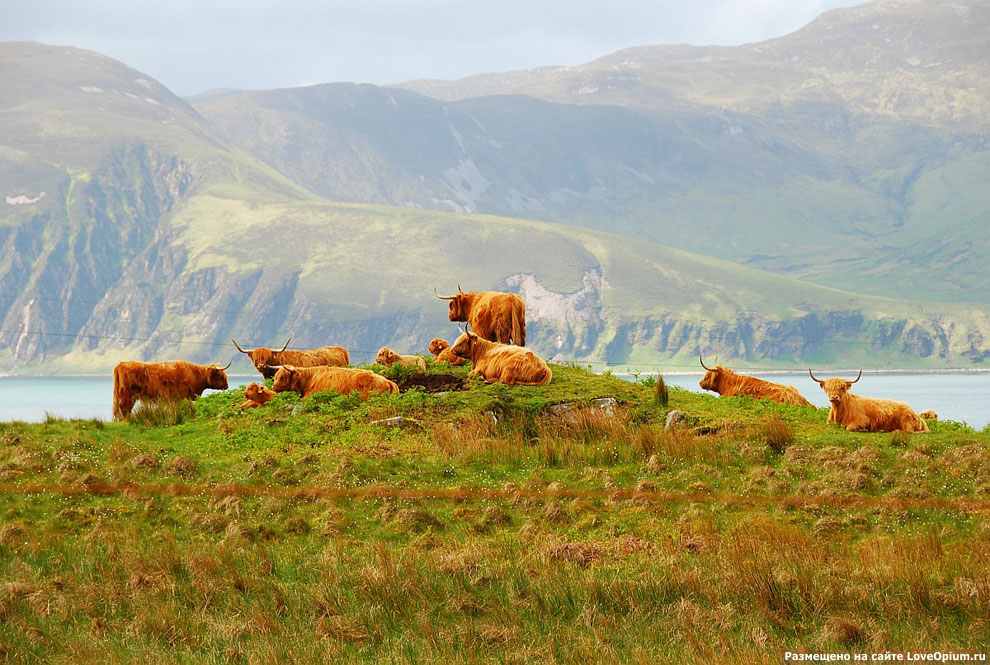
149 382
493 315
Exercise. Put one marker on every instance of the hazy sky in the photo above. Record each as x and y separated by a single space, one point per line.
195 45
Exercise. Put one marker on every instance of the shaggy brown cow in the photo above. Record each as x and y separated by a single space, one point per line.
442 354
256 395
388 357
502 363
265 358
495 316
727 383
148 382
863 414
928 415
309 380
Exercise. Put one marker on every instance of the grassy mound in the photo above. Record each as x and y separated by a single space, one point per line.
510 525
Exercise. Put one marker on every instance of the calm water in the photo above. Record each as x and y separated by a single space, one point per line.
955 396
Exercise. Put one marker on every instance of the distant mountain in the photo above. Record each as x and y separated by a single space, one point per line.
135 226
817 155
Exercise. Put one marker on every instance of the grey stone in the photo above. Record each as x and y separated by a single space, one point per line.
675 420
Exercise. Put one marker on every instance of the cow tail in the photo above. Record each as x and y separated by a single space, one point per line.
519 328
117 412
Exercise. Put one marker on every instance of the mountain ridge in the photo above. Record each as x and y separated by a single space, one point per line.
165 228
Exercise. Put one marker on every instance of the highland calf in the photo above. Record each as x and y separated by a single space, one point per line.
265 358
256 395
149 382
928 415
493 315
442 354
863 414
727 383
388 357
501 363
309 380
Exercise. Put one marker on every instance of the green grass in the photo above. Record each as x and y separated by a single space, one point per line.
492 532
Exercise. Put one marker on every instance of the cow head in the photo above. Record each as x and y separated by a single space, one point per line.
216 376
263 358
285 378
258 393
462 347
712 375
438 345
836 388
386 356
460 304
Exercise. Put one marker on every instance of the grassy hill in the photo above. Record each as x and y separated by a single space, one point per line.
491 531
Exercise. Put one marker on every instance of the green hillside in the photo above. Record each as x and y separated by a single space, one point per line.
816 154
497 526
156 238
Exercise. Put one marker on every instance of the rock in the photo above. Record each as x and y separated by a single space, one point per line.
567 412
398 421
675 421
608 405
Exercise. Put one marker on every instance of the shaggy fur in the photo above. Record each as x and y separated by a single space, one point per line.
388 357
309 380
148 382
493 315
928 415
863 414
502 363
265 359
442 353
727 383
256 395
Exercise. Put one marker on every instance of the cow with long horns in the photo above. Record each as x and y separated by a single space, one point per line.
309 380
150 382
864 414
440 349
727 383
501 363
264 358
493 315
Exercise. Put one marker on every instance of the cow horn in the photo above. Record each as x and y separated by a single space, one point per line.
239 346
459 289
224 369
284 347
701 358
442 297
857 377
820 382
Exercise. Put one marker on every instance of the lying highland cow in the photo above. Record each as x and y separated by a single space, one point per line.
863 414
309 380
264 358
256 395
501 363
442 353
388 357
727 383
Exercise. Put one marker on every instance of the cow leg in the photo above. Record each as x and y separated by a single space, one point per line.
122 408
